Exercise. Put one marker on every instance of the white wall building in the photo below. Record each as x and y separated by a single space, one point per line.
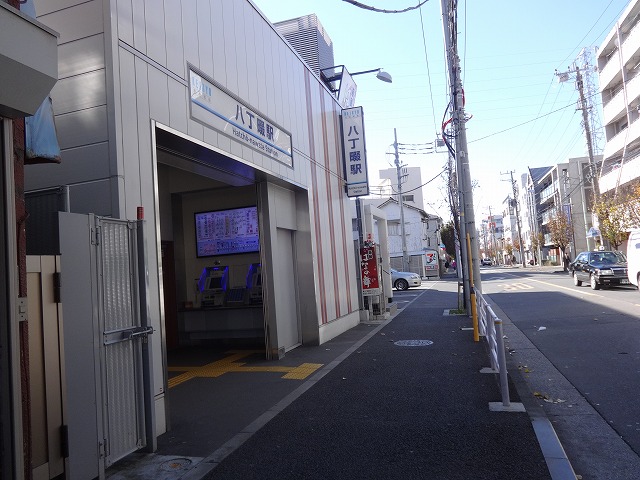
411 180
178 108
620 87
421 234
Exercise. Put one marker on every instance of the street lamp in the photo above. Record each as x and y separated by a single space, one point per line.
346 95
346 90
381 75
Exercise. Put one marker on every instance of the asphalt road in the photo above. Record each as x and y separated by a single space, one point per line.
592 338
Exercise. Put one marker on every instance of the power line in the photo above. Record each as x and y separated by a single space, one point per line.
381 10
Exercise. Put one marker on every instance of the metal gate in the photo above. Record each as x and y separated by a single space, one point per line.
104 278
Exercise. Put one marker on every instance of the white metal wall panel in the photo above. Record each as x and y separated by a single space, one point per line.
55 5
129 132
79 92
174 44
81 128
92 197
82 20
125 21
159 107
81 56
205 45
226 22
219 71
75 168
139 25
178 107
143 129
254 56
241 45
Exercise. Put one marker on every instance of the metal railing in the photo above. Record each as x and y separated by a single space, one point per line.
490 327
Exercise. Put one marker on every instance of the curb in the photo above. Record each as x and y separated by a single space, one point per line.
558 463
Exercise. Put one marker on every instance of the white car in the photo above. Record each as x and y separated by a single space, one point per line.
404 280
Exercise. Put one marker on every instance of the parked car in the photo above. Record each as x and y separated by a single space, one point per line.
486 262
633 257
600 267
404 280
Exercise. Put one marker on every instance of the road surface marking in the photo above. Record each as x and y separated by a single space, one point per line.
565 288
230 364
516 286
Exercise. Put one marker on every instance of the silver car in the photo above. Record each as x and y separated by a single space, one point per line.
404 280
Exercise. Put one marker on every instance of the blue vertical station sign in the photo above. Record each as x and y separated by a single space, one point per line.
355 153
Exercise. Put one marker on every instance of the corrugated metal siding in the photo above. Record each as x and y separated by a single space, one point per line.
307 36
122 360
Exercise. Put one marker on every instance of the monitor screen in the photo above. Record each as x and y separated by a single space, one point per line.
227 232
214 283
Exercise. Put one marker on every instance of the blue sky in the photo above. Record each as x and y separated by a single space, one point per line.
509 51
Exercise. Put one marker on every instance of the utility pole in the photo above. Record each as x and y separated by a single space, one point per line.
586 108
587 131
467 215
514 186
400 202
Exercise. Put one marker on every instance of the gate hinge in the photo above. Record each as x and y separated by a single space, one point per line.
95 240
103 448
57 285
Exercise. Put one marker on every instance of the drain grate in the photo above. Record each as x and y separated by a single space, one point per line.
175 464
413 343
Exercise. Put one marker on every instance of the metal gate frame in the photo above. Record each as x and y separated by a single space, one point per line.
107 350
124 322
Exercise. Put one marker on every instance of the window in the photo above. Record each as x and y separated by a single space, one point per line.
407 198
394 228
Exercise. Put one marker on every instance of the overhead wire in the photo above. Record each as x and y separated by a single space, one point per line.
426 59
382 10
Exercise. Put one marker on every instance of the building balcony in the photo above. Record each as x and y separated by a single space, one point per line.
615 145
28 62
611 73
616 107
631 45
549 193
626 173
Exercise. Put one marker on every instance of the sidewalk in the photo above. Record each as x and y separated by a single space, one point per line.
378 409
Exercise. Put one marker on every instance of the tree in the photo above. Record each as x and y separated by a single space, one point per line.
630 203
447 234
537 241
508 248
612 217
561 231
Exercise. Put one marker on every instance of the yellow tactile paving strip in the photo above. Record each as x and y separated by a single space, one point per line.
231 364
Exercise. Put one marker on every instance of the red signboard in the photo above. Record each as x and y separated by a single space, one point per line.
369 271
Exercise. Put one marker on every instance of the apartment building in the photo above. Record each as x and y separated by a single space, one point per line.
619 70
566 187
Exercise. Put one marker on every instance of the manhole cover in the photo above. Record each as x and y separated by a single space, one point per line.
175 464
413 343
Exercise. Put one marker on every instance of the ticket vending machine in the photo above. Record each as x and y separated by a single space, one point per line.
254 283
213 285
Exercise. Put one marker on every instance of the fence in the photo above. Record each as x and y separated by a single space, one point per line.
490 327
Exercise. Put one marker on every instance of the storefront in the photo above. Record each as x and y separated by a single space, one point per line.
201 119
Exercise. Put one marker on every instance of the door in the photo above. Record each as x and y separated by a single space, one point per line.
45 368
109 407
286 291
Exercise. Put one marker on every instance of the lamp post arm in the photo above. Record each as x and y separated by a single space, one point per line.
366 71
